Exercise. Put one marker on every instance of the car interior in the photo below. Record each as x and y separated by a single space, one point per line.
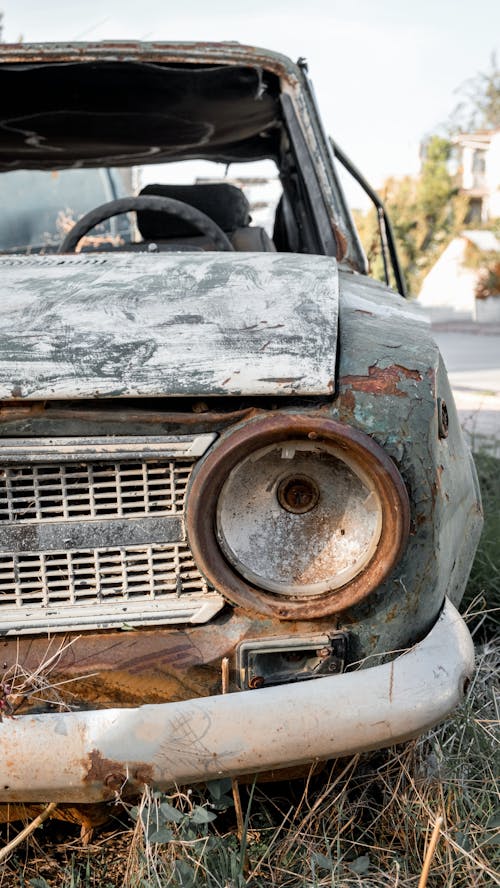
96 123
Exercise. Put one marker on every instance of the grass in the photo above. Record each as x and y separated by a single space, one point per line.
364 822
483 588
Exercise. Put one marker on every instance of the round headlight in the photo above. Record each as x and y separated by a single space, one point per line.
296 516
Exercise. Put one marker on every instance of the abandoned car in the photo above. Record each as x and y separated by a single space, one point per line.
237 511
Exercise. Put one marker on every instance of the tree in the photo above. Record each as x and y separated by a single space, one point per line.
426 212
479 102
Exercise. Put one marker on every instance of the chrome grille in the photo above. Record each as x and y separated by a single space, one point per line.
49 578
93 490
81 504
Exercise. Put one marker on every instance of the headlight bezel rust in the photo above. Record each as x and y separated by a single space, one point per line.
212 471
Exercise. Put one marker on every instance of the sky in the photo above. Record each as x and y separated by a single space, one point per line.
385 72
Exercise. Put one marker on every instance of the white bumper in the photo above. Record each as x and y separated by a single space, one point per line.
86 756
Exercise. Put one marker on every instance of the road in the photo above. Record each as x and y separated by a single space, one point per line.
472 358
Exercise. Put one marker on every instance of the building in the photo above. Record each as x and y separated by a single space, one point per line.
448 290
478 173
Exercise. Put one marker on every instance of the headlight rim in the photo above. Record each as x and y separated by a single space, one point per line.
208 479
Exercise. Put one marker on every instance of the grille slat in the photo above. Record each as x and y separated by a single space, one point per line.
40 493
119 572
97 585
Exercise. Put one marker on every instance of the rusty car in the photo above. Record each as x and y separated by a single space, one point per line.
237 513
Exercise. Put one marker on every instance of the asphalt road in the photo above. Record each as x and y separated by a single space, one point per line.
472 359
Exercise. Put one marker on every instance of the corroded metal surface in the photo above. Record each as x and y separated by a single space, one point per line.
97 754
39 418
178 324
152 665
390 378
230 53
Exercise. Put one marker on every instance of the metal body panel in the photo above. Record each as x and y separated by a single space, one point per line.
171 324
95 754
390 378
194 608
18 450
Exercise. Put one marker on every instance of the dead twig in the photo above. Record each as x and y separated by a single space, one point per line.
430 852
4 852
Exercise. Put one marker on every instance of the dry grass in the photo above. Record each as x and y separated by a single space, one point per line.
36 688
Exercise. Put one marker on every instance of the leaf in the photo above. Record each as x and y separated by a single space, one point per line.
170 814
184 874
218 788
160 836
360 865
39 882
201 815
463 840
322 861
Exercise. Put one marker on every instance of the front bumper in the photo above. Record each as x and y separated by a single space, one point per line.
88 756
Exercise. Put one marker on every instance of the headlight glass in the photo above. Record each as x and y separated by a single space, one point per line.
297 518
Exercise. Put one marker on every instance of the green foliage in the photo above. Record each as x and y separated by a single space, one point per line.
483 590
435 187
426 213
488 283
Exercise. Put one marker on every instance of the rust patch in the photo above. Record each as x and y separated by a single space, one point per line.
348 401
341 242
100 769
382 381
87 815
16 410
391 614
112 776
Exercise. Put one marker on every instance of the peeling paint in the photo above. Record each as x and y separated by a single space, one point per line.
382 380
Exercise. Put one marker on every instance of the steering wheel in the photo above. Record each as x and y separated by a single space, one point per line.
168 205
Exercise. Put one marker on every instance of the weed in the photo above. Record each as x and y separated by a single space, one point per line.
482 597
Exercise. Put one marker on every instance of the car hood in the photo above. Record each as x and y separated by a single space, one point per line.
186 324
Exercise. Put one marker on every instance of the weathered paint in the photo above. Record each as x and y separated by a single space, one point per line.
97 754
167 324
76 449
390 379
229 53
157 664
